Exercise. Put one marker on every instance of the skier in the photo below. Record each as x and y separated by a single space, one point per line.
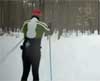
33 30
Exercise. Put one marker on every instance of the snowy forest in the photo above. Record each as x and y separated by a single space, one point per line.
74 57
60 15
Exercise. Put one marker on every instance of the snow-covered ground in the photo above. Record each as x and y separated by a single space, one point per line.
74 58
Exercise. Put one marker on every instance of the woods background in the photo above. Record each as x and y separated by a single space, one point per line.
67 15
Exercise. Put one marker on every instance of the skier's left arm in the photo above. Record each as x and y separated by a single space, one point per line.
24 28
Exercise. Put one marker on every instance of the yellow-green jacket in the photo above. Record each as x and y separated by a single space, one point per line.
41 27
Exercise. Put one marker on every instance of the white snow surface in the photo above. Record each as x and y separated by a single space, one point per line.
74 58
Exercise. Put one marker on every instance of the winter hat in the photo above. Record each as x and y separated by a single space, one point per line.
36 12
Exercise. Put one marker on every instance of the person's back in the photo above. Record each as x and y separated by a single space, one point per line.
31 33
34 28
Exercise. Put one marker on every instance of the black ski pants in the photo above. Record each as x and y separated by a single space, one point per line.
31 57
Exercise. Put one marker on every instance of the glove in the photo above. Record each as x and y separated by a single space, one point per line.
49 25
21 47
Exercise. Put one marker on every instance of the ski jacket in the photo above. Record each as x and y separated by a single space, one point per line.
34 29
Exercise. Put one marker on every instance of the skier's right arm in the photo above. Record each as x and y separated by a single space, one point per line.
44 25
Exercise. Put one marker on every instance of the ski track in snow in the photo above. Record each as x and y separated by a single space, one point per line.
73 58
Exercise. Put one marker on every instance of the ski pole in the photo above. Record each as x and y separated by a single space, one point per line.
8 53
50 58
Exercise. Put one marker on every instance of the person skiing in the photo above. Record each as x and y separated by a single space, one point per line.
33 30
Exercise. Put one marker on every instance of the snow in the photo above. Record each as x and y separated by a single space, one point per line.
74 58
